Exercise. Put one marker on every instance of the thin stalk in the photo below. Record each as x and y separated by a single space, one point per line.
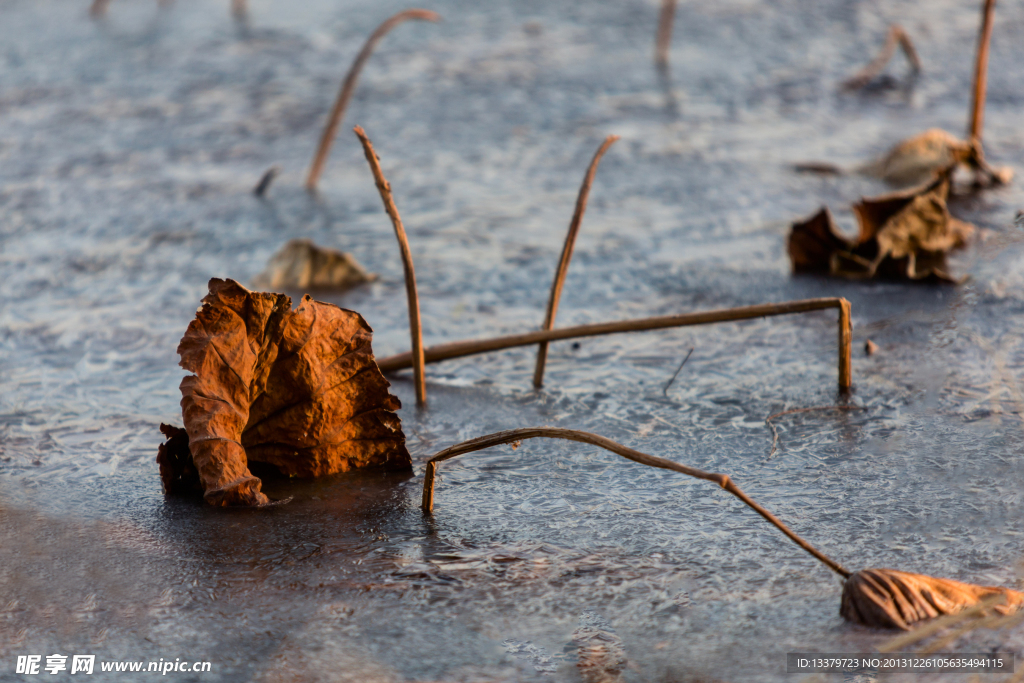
264 184
775 433
239 8
896 36
845 343
415 327
676 373
98 8
981 73
459 349
664 39
345 94
514 435
563 263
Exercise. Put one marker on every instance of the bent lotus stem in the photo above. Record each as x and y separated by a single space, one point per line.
664 38
563 262
896 36
349 85
460 349
415 327
981 73
516 435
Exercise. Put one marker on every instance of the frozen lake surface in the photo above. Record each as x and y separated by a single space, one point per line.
128 151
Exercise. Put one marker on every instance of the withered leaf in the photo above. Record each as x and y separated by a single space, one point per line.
904 235
920 159
177 471
301 264
887 598
812 243
297 389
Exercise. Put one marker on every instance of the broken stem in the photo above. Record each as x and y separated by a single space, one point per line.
664 39
514 435
775 433
468 348
981 73
327 139
563 263
98 8
415 327
676 373
896 36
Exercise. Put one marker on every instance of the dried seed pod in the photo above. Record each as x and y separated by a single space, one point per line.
887 598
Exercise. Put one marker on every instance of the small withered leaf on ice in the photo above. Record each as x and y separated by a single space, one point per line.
297 389
300 264
904 235
887 598
919 159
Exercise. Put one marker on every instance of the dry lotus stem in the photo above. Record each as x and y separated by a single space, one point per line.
981 73
345 94
99 8
459 349
415 326
896 36
516 435
663 41
879 598
563 262
297 389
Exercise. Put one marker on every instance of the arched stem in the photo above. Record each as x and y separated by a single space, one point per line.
415 327
338 112
460 349
516 435
563 263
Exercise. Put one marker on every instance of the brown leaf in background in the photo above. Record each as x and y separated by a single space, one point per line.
298 389
300 264
904 235
813 242
919 159
887 598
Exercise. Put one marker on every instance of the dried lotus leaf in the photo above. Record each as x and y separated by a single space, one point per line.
177 471
919 159
814 241
910 232
297 389
887 598
904 235
301 264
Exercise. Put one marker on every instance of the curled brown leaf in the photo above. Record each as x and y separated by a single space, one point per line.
297 389
904 235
